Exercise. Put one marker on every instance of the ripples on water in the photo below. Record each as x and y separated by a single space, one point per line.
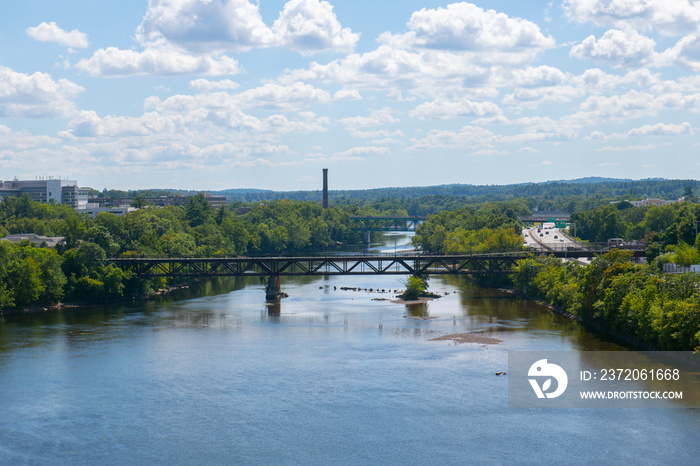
214 375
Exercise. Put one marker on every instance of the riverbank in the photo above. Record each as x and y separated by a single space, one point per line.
591 325
38 309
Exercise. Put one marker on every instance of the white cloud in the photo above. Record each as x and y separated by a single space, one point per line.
447 109
468 28
347 94
310 26
376 134
466 138
377 118
365 150
204 85
89 124
634 104
488 152
661 129
669 17
278 97
386 68
531 98
686 53
23 140
154 61
269 96
530 150
211 26
537 76
50 32
36 95
205 26
623 149
617 48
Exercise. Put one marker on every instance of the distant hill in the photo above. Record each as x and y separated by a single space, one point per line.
612 188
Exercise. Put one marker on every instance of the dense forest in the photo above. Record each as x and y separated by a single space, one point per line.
75 269
568 196
670 224
635 301
489 227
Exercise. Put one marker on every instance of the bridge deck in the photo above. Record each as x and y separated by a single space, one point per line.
376 264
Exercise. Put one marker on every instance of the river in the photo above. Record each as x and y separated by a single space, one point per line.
213 375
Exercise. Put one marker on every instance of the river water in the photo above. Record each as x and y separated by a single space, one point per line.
213 375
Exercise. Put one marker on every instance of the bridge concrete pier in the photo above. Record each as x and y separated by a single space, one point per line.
273 292
366 237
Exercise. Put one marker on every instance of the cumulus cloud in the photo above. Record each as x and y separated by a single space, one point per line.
537 76
307 26
391 69
154 61
623 149
205 85
686 53
50 32
347 94
466 138
468 28
23 140
376 118
617 48
661 129
89 124
310 25
202 26
365 150
447 109
35 95
669 17
277 97
532 97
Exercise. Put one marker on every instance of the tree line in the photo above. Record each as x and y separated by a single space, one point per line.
634 301
75 269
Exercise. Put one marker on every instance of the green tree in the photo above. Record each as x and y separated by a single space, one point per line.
415 287
198 210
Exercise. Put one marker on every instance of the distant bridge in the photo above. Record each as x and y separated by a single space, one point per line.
537 217
385 223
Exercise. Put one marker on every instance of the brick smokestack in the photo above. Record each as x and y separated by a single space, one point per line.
325 188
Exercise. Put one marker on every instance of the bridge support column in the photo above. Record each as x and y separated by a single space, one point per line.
366 237
273 292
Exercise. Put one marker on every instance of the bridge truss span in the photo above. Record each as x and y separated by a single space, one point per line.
418 264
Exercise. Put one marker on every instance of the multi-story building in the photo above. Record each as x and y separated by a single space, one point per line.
47 190
652 201
177 200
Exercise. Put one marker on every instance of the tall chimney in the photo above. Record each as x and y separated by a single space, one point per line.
325 188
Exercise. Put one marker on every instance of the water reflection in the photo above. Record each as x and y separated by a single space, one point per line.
418 310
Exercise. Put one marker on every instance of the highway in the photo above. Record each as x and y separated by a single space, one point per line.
548 238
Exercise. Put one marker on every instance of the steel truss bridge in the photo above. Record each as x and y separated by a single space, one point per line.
375 264
370 223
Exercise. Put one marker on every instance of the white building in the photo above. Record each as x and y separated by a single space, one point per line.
48 241
47 190
93 209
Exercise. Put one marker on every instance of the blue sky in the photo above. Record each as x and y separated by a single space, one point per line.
217 94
